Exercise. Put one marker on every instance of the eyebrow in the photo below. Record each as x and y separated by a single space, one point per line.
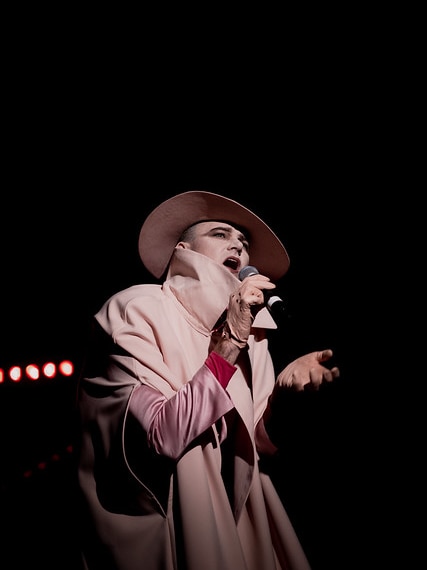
229 230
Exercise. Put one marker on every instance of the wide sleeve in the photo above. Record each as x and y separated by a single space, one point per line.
172 398
173 424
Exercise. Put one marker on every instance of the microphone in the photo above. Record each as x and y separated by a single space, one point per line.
273 302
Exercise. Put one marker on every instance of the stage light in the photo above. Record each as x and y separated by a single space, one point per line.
49 369
32 371
15 373
66 368
36 371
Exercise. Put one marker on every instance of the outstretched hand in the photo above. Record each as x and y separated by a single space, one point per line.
308 371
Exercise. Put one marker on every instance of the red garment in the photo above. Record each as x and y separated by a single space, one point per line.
220 368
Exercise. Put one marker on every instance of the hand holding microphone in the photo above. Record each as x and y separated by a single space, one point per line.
243 306
273 302
244 303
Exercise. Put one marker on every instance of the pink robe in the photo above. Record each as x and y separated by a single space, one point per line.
154 497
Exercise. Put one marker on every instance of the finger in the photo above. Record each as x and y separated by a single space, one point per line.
316 378
324 355
254 297
256 278
258 283
328 375
335 372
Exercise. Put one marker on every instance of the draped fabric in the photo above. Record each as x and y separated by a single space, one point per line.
208 507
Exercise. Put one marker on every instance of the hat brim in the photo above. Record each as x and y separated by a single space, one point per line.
164 225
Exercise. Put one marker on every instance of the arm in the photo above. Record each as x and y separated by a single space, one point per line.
172 424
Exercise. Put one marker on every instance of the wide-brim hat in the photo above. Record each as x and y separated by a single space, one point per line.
163 228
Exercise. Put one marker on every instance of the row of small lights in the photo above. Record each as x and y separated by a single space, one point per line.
35 372
43 465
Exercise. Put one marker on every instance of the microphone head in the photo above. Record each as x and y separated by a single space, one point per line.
247 271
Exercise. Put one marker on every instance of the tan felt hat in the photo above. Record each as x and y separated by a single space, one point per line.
164 225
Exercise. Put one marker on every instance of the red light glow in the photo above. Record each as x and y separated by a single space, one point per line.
66 368
49 369
15 373
32 371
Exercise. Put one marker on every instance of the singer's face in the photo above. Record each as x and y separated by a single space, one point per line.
220 241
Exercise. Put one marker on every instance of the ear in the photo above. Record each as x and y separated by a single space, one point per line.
182 245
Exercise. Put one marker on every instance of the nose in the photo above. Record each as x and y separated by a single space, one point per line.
237 245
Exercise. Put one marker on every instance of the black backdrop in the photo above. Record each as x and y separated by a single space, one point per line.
316 125
73 203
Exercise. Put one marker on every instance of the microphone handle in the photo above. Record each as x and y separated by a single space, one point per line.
276 306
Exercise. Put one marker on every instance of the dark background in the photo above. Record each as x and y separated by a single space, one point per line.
71 241
88 152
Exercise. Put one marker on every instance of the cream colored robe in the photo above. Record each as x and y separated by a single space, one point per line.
145 511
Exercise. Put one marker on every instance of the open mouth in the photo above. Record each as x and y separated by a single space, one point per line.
233 263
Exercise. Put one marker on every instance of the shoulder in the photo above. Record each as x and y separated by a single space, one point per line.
135 293
134 303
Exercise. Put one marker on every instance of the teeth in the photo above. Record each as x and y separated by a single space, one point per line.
231 262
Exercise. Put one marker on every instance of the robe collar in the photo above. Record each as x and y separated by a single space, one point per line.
202 288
